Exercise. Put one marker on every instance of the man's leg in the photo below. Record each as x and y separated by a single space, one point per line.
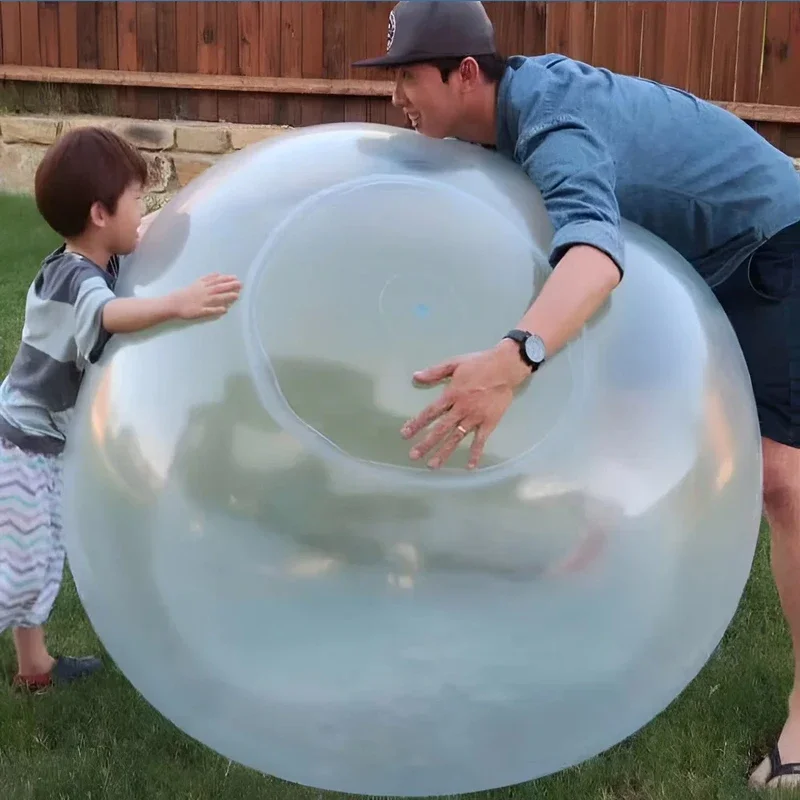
782 510
762 300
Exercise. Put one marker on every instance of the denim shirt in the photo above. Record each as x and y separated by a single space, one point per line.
600 146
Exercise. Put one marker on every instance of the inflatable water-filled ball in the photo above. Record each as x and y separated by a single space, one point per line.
274 574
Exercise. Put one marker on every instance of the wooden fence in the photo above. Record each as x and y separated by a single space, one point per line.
289 62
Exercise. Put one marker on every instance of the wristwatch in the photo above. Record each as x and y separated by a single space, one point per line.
531 347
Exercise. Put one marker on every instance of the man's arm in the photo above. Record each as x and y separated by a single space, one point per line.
573 293
576 176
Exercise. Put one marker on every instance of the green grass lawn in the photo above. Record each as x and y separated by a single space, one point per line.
100 739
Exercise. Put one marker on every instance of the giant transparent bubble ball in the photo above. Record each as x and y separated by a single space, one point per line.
270 570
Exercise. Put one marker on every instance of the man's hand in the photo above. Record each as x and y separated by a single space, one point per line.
210 296
481 390
482 384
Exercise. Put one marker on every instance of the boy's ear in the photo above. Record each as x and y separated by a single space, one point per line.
98 215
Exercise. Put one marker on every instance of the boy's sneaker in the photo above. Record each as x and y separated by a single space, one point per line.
65 670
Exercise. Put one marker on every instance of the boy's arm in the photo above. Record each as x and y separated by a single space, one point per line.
131 314
99 313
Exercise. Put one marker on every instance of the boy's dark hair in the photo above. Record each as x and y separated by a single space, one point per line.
85 166
493 66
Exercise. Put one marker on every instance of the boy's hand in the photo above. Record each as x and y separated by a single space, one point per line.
211 296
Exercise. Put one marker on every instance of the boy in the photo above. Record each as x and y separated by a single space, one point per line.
600 146
89 190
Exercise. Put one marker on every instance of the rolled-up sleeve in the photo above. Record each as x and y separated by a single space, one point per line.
576 176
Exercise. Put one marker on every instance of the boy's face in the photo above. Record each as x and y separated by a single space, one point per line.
120 230
432 106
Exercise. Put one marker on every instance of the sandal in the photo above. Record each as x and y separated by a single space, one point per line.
772 773
65 670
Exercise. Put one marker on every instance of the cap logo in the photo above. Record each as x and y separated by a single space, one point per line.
390 31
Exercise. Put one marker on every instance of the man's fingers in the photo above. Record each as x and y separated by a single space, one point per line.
457 435
479 444
426 417
437 373
435 436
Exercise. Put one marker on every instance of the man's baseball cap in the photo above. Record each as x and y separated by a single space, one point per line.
421 32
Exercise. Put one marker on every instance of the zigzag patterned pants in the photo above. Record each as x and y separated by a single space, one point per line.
31 545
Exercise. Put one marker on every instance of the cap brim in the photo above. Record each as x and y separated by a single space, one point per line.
384 61
410 58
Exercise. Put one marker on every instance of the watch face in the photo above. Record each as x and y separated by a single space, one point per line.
534 349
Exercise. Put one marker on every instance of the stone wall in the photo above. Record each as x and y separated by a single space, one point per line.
176 152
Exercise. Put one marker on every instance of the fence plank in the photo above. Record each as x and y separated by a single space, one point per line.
228 57
676 34
617 39
12 42
534 31
750 51
186 54
48 34
334 27
247 14
780 80
665 43
33 98
126 54
703 15
87 36
313 108
107 57
376 34
68 50
146 56
290 109
569 29
509 25
269 58
167 53
724 47
126 35
29 33
107 54
207 108
355 108
67 33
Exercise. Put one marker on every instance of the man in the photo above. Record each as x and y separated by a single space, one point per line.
601 146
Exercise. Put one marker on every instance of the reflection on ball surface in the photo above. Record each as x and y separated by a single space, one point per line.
272 572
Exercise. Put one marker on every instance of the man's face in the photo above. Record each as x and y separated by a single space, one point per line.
432 106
